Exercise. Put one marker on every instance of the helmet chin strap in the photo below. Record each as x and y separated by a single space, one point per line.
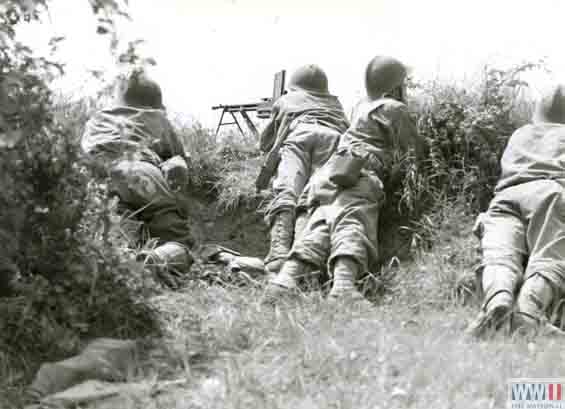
396 93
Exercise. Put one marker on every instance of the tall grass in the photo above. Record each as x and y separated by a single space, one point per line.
465 129
222 167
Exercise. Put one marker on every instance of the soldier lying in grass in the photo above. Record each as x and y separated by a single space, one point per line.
523 231
302 134
146 162
345 196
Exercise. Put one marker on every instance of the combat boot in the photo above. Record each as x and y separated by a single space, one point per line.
492 316
284 286
345 272
536 297
300 224
282 231
498 283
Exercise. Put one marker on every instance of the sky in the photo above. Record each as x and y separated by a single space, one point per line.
211 52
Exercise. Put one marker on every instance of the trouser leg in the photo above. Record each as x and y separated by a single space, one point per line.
292 270
499 284
504 249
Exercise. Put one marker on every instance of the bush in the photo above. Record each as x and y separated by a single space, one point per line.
57 226
78 281
466 130
224 169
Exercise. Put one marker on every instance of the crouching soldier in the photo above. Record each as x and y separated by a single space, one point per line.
523 231
303 132
345 196
137 148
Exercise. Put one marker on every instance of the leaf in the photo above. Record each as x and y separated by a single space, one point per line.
55 40
5 39
10 138
97 74
150 61
29 6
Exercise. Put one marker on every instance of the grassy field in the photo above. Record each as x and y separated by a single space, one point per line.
407 350
315 355
225 349
404 352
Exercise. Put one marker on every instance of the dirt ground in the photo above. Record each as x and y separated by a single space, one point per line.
243 229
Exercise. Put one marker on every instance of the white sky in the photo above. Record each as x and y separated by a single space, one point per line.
227 51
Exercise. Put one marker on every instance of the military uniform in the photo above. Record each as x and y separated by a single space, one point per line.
146 163
341 233
523 231
305 127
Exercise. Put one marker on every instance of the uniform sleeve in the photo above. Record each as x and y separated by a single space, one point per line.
397 119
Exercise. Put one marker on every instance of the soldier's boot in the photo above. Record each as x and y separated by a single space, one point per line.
345 272
282 231
284 286
300 224
532 306
498 284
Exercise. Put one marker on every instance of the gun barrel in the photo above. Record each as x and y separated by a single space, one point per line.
239 107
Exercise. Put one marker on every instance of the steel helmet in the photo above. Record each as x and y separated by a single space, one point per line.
309 78
383 74
140 91
551 106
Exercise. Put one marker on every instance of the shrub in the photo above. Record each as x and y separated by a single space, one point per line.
224 168
78 281
56 224
466 130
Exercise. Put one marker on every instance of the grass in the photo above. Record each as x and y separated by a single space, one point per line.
223 168
407 351
318 355
229 351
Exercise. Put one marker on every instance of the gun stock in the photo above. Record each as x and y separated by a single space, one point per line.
268 169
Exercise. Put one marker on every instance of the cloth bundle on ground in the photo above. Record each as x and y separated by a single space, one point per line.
232 260
102 359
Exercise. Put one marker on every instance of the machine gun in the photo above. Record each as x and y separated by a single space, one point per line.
262 108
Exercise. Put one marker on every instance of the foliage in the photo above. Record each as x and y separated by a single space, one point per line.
224 169
57 226
465 129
